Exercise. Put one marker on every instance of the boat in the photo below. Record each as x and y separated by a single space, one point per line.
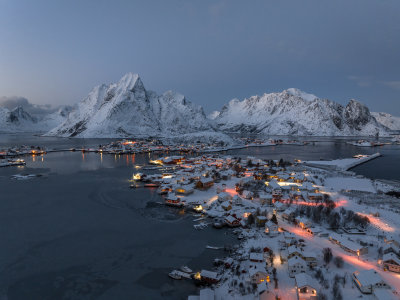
175 275
186 269
218 223
152 184
213 247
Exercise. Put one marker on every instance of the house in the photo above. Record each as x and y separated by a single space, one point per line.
258 274
222 197
294 251
288 214
348 245
296 195
306 287
276 189
232 221
236 200
391 262
265 199
226 205
204 183
209 276
172 200
315 197
271 228
184 190
247 195
256 257
296 265
303 222
310 258
369 280
261 220
391 248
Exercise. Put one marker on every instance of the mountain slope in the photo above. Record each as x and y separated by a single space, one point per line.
293 112
18 120
126 108
387 120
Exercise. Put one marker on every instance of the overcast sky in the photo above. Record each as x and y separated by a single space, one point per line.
55 52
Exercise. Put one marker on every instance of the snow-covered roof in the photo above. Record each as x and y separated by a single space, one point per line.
295 260
256 256
292 249
209 274
391 256
346 243
274 185
368 277
254 269
303 280
230 219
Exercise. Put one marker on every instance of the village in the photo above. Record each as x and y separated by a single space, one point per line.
303 233
305 229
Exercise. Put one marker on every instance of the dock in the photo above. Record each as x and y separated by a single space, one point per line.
341 164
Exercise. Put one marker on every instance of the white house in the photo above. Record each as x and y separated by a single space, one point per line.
369 280
296 265
256 257
258 274
223 196
391 262
271 228
306 287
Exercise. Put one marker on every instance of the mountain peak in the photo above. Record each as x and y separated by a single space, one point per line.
299 93
130 81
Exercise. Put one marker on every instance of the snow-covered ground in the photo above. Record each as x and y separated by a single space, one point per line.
350 183
349 193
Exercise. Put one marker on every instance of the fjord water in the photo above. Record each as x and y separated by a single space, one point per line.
79 232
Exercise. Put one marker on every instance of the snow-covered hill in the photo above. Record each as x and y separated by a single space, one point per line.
293 112
126 109
387 120
18 120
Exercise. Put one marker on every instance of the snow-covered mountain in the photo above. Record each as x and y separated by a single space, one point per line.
293 112
126 108
387 120
54 119
18 120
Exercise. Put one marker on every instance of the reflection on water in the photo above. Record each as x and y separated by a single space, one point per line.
385 167
80 233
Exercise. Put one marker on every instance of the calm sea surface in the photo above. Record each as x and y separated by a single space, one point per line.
79 232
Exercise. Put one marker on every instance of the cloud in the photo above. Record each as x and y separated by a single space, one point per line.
34 109
361 81
393 84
